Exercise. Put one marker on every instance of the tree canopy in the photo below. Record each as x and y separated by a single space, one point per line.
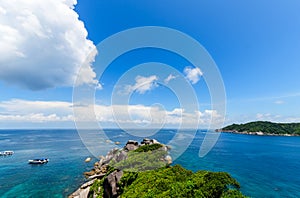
266 127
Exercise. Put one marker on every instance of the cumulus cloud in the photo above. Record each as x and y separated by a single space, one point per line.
43 44
142 84
193 74
169 78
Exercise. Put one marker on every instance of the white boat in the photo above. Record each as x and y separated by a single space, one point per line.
6 153
38 161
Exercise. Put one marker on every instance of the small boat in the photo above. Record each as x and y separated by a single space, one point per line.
38 161
6 153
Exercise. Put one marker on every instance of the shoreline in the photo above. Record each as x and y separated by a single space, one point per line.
259 133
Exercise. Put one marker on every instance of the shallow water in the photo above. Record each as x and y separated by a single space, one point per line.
265 166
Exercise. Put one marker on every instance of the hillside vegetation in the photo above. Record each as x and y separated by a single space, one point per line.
176 181
164 182
265 127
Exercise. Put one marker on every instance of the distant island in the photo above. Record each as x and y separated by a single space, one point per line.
264 128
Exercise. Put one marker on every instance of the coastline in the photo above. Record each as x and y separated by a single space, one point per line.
259 133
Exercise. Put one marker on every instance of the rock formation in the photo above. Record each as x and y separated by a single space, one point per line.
101 169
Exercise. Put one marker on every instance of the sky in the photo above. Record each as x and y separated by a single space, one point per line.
48 49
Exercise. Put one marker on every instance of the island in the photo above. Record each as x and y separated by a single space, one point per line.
145 170
264 128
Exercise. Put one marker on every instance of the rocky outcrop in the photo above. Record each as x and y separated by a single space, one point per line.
101 168
110 184
147 141
83 191
131 145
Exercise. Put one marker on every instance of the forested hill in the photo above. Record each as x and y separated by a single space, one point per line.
264 128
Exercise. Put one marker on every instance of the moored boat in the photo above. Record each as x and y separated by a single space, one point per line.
6 153
38 161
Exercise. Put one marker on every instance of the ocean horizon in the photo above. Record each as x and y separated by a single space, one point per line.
265 166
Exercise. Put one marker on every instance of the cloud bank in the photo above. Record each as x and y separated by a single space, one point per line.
24 111
43 44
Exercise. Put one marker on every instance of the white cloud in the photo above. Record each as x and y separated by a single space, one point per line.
169 78
43 44
35 118
16 110
193 74
276 118
24 111
142 84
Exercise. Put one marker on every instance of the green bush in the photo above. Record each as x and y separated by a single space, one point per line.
175 181
142 161
146 148
178 182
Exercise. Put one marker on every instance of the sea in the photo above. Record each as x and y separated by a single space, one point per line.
265 166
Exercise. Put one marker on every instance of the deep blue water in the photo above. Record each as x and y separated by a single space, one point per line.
265 166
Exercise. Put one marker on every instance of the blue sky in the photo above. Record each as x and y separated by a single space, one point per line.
255 45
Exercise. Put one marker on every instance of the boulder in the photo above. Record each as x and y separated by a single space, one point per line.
132 142
83 191
96 164
146 141
154 141
110 184
98 176
168 158
101 157
131 145
164 148
90 173
122 156
103 169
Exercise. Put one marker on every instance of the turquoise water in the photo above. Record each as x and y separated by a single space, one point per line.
265 166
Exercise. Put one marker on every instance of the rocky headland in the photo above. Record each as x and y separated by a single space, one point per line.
130 158
144 170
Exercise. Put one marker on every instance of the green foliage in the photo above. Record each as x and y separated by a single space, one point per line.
146 148
126 180
232 193
173 181
146 175
178 182
142 161
95 187
266 127
98 184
